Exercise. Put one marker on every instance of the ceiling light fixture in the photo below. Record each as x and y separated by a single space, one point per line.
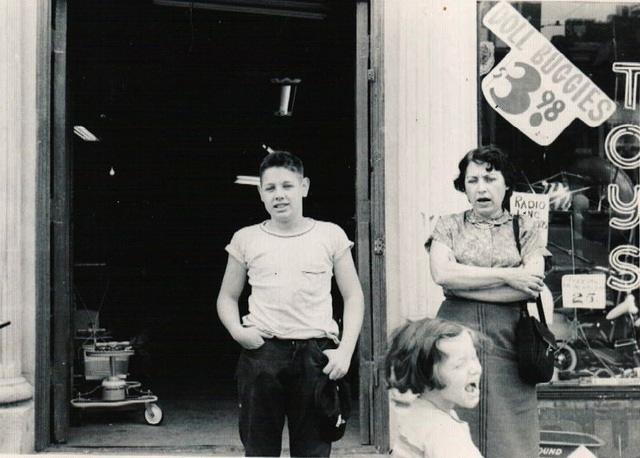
288 89
248 180
85 134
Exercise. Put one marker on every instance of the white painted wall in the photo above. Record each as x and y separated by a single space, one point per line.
18 33
29 133
430 122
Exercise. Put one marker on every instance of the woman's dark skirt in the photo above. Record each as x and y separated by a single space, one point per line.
505 422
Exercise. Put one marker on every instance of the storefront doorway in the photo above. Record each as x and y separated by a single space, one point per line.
169 103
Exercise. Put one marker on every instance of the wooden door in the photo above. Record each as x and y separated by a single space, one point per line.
42 392
374 412
61 271
380 399
363 217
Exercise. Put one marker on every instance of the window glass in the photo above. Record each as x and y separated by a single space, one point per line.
590 232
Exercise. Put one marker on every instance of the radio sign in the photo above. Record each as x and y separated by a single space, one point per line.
535 207
535 87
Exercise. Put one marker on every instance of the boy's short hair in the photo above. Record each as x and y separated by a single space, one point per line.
283 159
413 354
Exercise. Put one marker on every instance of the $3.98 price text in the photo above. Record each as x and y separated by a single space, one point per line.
523 91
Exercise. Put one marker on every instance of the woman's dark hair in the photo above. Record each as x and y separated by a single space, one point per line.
496 159
413 354
283 159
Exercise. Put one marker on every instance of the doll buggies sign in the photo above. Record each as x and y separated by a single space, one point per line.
535 87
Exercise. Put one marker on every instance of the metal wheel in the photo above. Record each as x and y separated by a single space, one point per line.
153 414
566 358
604 372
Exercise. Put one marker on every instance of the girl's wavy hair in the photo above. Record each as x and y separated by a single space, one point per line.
410 362
496 159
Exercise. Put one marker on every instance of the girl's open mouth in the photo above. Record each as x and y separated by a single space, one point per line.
471 387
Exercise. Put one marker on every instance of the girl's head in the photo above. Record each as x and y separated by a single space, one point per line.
437 358
486 177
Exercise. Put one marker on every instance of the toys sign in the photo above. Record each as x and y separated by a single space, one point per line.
535 87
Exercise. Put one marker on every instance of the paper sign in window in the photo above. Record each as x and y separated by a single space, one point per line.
584 291
535 87
535 207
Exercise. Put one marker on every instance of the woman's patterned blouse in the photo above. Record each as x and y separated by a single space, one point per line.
477 241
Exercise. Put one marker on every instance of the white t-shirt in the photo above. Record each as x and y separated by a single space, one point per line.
425 431
290 278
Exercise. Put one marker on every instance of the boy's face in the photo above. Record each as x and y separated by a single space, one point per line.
460 372
281 191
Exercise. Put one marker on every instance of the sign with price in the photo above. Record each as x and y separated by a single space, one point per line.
584 291
535 87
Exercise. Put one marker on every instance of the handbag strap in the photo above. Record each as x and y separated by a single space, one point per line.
516 233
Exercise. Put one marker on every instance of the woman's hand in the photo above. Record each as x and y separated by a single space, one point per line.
525 281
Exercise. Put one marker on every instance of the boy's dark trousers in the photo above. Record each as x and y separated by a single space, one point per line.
277 380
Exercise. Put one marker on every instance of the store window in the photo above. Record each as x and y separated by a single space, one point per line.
574 136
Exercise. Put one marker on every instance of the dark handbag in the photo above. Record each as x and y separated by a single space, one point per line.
535 343
536 347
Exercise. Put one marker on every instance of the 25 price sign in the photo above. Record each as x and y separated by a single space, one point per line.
584 291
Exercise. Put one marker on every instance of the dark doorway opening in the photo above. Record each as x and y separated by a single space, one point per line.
182 103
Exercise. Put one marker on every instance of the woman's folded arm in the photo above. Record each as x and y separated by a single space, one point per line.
496 284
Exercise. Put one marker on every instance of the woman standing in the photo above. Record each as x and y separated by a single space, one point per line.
485 277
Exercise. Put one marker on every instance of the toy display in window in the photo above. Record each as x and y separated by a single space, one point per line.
595 344
604 346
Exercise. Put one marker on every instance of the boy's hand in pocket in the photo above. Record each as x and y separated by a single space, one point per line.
250 338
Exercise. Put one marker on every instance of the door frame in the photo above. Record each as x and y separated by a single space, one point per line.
61 350
55 360
363 218
374 409
53 209
42 401
378 284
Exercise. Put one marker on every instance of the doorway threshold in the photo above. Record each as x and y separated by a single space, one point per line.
194 450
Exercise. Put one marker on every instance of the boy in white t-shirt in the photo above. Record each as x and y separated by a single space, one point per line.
289 338
437 361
